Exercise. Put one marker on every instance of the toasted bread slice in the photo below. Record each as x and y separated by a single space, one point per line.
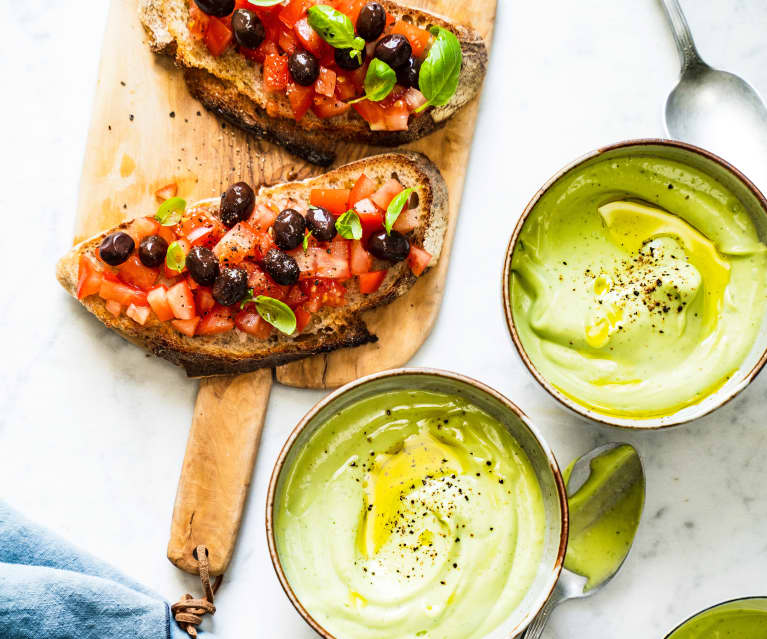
231 87
330 328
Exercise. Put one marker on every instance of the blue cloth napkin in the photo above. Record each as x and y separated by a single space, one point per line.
51 590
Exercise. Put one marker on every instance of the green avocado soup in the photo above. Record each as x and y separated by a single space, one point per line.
638 285
410 514
743 619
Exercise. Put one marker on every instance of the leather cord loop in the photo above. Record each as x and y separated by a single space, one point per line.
188 611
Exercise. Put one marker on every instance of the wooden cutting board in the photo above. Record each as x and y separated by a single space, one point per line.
147 131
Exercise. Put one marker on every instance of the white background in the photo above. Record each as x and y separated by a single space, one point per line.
92 431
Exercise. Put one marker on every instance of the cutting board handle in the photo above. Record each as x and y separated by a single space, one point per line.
218 465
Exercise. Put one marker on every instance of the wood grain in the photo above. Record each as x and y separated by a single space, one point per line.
217 469
147 131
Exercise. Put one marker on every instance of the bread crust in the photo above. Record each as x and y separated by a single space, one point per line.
330 328
230 88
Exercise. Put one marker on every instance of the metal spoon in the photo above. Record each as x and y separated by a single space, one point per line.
570 584
715 109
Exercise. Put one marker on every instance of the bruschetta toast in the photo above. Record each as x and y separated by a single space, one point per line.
394 75
261 278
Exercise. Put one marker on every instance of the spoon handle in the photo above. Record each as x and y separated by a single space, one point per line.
682 34
535 629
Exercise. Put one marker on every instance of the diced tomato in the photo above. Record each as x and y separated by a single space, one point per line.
300 99
333 262
372 113
121 293
262 284
139 314
325 107
414 98
114 307
418 260
133 272
351 8
397 116
303 317
326 82
250 322
216 321
218 36
203 299
345 88
202 236
293 12
363 187
262 218
371 282
420 39
166 233
140 228
88 278
201 229
158 301
322 293
181 301
275 72
295 297
187 327
406 221
360 261
198 22
308 37
371 222
264 49
166 192
385 194
366 206
334 200
288 42
236 245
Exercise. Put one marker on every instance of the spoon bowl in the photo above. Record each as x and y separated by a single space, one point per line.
602 486
715 109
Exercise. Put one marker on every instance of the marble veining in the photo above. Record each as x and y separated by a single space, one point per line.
92 431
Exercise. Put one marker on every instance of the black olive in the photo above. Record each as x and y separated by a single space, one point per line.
304 68
218 8
281 267
248 30
289 229
371 21
349 59
394 49
407 74
394 247
231 286
203 265
321 223
152 250
116 248
237 204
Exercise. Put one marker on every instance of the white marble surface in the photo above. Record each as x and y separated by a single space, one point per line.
92 431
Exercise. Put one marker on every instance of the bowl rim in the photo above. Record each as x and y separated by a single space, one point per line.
652 423
430 372
713 607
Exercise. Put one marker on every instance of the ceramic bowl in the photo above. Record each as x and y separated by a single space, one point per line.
752 603
756 206
541 457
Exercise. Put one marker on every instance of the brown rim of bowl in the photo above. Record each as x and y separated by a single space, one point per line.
280 463
574 406
712 607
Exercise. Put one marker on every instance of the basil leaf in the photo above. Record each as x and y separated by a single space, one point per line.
395 208
175 258
170 211
380 79
438 78
265 3
349 226
336 29
306 241
277 313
